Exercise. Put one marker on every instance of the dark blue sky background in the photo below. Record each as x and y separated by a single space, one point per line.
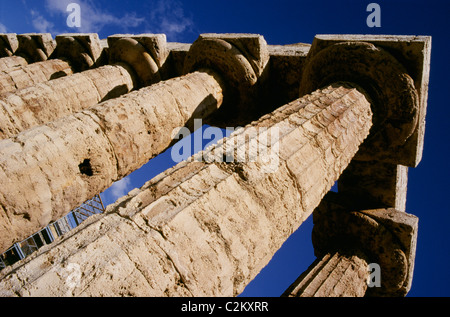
287 22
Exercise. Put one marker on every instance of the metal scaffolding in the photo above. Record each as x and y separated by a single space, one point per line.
74 218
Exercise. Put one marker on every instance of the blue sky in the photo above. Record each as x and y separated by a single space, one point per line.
287 22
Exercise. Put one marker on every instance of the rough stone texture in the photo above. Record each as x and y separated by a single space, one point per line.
25 76
387 236
50 169
47 101
7 63
414 53
393 73
334 275
206 228
51 100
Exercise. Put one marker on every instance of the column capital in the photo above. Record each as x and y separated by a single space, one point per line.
8 44
35 47
144 53
393 71
82 50
241 60
387 236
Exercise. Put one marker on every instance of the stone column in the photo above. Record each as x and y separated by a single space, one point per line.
7 63
73 53
334 275
393 71
81 155
50 100
28 75
208 226
345 243
386 237
243 61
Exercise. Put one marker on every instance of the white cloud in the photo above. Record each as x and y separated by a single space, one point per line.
168 17
41 24
159 16
120 188
3 28
93 18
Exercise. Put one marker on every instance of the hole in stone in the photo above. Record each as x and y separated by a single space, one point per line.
86 168
57 75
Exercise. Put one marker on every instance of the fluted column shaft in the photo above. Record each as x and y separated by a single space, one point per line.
334 275
207 227
48 170
48 101
29 75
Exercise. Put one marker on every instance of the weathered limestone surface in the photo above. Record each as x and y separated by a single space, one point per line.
50 100
346 241
393 72
206 228
50 169
334 275
6 63
21 77
285 64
